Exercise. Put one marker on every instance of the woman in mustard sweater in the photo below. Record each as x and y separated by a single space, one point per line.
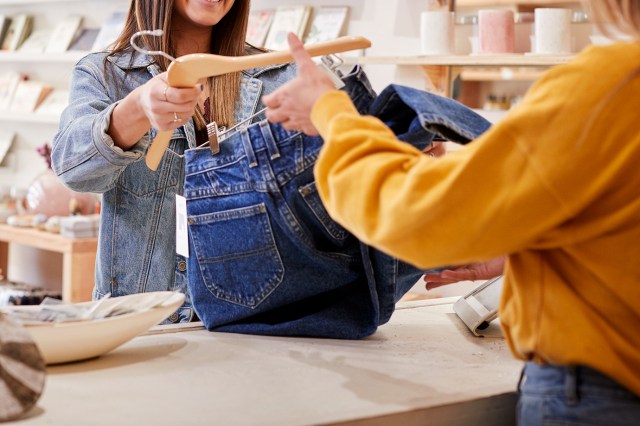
554 187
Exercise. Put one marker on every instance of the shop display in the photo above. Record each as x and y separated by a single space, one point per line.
19 30
552 31
48 196
12 294
258 26
328 23
496 31
287 19
437 32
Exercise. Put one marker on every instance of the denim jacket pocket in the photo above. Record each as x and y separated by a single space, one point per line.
312 199
235 268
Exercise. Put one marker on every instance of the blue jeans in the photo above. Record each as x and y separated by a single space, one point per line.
551 395
266 258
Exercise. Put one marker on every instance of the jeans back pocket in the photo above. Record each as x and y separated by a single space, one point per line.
237 255
312 199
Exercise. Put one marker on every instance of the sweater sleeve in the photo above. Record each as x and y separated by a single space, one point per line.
473 204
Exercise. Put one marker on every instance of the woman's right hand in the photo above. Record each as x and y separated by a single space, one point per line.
167 108
154 104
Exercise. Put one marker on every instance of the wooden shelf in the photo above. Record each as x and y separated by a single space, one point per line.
479 3
46 240
464 60
24 2
78 257
500 74
61 58
29 118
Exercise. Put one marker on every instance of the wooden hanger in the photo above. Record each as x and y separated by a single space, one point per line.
187 70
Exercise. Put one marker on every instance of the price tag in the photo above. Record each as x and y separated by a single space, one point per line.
182 234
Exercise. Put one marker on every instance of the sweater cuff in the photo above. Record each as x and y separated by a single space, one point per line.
329 106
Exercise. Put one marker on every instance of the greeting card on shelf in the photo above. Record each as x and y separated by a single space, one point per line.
28 96
18 32
5 23
9 81
36 42
85 40
259 24
63 34
54 103
328 23
6 140
287 19
109 32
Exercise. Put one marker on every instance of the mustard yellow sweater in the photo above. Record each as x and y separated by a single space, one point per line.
555 185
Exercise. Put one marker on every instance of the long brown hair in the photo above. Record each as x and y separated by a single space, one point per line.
623 15
227 38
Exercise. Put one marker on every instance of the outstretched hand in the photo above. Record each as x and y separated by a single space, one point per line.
470 272
291 104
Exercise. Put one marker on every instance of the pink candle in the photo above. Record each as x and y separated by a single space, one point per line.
496 31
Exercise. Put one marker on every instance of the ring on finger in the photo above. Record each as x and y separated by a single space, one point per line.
176 119
165 93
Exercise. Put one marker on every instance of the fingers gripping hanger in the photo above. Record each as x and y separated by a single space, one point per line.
187 70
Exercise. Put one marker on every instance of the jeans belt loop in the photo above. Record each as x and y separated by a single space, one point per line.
248 149
571 386
269 140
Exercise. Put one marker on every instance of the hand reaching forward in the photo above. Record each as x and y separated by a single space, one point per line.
471 272
291 104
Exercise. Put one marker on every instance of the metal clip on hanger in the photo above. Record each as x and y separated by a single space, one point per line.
216 135
187 70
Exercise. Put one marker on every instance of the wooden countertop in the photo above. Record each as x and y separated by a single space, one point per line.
423 367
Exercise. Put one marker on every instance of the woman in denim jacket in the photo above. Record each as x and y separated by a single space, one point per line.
119 101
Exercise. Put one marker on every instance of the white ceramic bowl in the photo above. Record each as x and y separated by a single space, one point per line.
79 340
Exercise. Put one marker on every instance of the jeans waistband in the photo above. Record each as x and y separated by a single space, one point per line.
572 379
243 144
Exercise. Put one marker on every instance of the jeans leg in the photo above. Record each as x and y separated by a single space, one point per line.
560 395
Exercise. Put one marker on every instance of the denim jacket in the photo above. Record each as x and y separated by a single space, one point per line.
136 249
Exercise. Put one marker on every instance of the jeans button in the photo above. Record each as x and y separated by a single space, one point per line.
182 266
174 317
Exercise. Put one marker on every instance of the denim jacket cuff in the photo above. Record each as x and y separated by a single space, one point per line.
106 146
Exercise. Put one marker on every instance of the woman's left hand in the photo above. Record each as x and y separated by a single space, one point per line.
471 272
436 149
292 103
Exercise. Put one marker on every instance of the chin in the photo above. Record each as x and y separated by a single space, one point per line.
210 12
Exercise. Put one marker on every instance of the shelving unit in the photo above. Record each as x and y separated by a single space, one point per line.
79 257
485 3
26 2
45 120
467 60
69 58
35 257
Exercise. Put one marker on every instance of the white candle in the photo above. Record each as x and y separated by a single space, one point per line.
552 31
437 32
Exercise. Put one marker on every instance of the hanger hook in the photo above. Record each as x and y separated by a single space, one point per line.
156 33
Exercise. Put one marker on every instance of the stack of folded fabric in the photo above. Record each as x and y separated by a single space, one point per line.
80 226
